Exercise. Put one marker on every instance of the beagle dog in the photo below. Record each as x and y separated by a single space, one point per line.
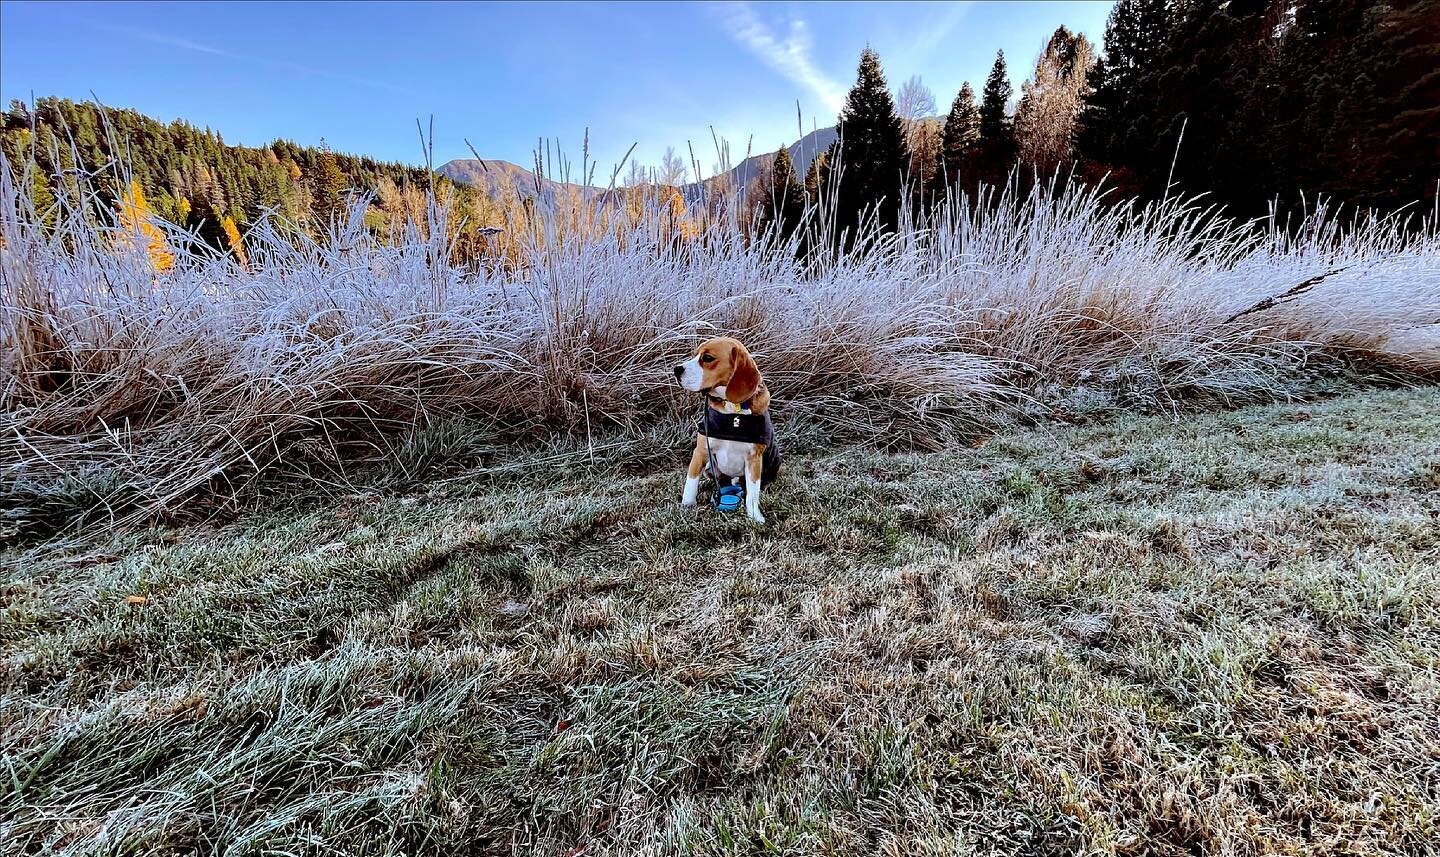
736 436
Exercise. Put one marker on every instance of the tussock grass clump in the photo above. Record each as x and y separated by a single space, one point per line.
177 388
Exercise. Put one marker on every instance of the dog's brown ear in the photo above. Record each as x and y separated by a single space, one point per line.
745 378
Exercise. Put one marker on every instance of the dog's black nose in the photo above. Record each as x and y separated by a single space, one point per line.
679 370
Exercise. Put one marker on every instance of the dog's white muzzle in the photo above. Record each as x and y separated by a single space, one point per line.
690 375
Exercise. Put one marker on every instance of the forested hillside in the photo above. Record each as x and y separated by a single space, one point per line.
1257 100
189 175
1253 103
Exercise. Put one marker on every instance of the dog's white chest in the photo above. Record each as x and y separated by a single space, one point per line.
730 455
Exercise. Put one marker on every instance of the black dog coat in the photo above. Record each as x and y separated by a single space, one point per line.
746 428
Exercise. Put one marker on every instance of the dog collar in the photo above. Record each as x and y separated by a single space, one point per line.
726 403
722 403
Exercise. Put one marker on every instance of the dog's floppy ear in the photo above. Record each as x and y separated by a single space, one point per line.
745 378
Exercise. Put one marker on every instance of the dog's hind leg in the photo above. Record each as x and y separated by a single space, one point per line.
753 466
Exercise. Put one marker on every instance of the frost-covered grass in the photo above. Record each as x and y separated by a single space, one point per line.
124 393
1147 636
1144 635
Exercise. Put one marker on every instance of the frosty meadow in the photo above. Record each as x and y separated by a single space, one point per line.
351 548
338 497
137 394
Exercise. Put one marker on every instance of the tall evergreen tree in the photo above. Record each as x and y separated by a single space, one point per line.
994 121
1405 138
783 205
958 139
329 186
873 153
1121 115
1118 112
997 132
43 200
19 151
1207 99
203 214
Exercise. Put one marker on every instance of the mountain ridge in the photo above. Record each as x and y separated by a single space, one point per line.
491 172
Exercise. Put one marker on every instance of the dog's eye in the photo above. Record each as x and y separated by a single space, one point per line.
707 359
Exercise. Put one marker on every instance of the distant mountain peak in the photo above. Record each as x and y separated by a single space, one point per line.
489 174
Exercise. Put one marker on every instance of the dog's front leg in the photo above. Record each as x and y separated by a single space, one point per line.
753 465
692 475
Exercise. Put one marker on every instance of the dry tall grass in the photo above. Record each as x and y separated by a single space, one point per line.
145 391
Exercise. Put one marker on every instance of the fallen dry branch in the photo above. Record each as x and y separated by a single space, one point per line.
1288 295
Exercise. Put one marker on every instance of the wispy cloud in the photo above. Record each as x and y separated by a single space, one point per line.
789 56
936 30
161 39
287 65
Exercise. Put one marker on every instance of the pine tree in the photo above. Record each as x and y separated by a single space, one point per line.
1359 110
783 204
329 191
20 150
1118 111
1203 107
997 133
873 153
1403 47
204 209
994 122
958 139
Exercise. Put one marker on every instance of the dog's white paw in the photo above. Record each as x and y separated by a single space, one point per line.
688 503
757 517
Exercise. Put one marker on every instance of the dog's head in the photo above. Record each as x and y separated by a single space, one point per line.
720 362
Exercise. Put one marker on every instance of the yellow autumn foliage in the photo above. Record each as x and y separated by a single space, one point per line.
135 219
683 225
232 238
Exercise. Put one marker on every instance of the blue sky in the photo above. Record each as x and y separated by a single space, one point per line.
504 75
